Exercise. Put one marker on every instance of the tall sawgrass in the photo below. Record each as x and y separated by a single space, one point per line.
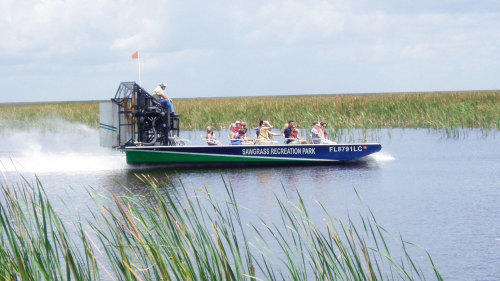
438 110
42 115
412 110
36 243
163 235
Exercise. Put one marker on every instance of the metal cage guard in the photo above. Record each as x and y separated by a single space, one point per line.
142 119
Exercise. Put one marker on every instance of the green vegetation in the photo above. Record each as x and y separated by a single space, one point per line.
160 235
479 109
417 110
37 115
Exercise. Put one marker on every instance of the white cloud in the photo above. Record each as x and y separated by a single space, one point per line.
238 47
132 42
378 36
289 21
179 58
57 26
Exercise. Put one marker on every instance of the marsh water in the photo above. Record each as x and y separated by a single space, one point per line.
437 190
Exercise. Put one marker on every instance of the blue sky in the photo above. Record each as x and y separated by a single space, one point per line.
67 50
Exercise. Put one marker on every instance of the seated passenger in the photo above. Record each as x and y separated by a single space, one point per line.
292 134
210 138
231 131
238 138
244 126
288 132
257 130
323 128
237 126
297 139
324 138
316 133
246 138
265 135
159 95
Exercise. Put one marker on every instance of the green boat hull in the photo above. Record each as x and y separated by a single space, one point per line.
248 155
140 156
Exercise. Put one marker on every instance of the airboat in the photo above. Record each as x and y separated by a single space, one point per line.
135 123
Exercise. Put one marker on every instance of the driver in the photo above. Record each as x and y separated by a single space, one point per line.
159 95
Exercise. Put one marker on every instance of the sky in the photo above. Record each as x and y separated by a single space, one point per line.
71 50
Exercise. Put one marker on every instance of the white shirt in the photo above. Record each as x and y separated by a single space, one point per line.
158 93
316 138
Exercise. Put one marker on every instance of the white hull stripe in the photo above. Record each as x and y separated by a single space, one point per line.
244 156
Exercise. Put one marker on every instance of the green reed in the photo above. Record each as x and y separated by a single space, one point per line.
46 115
413 110
162 235
437 110
36 243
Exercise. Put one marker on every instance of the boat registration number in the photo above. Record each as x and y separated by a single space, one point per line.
346 148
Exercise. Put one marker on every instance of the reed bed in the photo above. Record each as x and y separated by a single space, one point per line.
160 235
437 110
412 110
41 115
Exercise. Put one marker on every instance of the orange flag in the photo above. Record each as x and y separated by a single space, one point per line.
135 55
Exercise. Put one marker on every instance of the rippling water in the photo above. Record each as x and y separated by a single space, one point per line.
441 193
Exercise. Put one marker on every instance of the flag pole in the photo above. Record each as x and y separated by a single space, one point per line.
139 61
135 56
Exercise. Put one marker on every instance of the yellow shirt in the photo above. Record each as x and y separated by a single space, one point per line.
265 136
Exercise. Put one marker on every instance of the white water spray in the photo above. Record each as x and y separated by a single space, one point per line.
382 157
69 148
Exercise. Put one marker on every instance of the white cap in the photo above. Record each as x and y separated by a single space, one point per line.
163 85
237 122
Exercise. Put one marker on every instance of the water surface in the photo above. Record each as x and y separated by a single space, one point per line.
440 193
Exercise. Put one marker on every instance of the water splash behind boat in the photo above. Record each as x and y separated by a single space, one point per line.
69 148
382 157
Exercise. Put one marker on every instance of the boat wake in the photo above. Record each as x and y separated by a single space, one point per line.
73 148
382 157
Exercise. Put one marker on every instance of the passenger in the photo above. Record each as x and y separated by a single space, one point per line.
324 138
238 138
257 130
291 134
325 134
232 133
265 135
159 95
316 133
237 127
210 138
284 128
244 126
323 127
288 132
298 140
246 138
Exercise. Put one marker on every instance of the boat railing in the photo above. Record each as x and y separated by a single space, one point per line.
176 141
262 142
267 142
210 141
322 141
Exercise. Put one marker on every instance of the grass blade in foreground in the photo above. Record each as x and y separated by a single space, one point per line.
162 235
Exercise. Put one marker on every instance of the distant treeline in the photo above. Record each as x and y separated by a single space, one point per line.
468 109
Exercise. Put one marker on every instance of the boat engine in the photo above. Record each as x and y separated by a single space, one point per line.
134 118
